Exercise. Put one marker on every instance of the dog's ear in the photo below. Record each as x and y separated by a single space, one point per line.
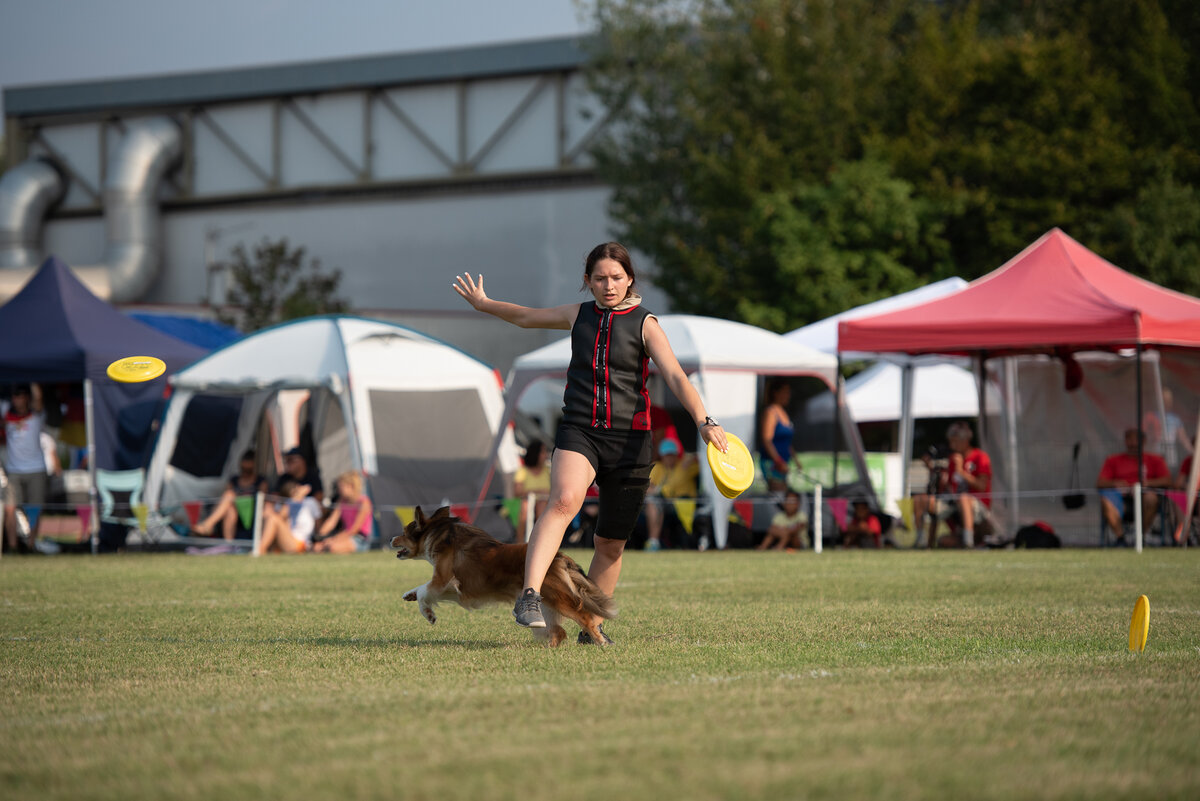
419 517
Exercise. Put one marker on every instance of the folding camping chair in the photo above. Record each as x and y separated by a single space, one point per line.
120 493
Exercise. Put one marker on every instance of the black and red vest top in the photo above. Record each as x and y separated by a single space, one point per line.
606 382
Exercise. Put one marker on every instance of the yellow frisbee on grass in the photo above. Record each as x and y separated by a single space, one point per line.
732 471
133 369
1139 625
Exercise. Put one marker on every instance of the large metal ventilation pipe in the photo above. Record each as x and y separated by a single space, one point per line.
133 248
27 192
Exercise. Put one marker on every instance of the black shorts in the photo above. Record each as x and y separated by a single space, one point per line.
622 461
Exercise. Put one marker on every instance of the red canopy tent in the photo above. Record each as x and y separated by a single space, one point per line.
1056 294
1055 297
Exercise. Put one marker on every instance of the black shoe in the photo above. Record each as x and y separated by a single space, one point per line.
528 610
586 639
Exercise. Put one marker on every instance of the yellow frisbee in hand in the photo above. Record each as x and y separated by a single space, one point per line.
1139 625
133 369
733 471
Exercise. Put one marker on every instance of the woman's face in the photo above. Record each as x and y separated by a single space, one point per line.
608 282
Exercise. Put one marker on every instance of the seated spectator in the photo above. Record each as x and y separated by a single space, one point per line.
296 466
673 476
1119 473
289 522
789 526
348 528
246 482
863 529
963 488
533 476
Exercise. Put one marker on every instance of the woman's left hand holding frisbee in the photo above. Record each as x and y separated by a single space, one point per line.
715 435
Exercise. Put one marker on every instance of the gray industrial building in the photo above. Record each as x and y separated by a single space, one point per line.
400 170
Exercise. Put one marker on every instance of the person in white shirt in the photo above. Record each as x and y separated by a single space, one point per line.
289 524
25 462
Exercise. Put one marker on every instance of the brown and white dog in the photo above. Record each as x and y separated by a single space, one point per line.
472 568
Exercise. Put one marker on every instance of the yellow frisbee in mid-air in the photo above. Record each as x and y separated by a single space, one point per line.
1139 625
733 471
133 369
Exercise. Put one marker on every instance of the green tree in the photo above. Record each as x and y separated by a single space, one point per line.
719 105
846 241
272 282
743 130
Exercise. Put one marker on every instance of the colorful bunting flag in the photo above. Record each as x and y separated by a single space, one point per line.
406 514
141 513
245 510
462 511
512 508
193 509
906 513
745 510
685 510
837 506
84 511
32 513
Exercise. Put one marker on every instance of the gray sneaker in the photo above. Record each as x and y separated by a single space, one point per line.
586 639
45 546
528 610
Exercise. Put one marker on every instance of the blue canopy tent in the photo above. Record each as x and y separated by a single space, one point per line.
56 330
207 334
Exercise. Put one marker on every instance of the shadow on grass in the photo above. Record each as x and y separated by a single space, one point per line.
335 642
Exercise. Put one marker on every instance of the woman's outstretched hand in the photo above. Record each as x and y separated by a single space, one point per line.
715 435
472 292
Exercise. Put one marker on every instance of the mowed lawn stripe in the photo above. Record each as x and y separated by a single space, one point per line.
735 675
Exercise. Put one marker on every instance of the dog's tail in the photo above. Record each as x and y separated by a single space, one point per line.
583 591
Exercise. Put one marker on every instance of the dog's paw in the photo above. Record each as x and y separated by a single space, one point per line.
411 595
429 614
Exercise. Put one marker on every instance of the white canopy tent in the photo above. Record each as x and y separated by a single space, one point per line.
416 415
874 395
935 383
723 360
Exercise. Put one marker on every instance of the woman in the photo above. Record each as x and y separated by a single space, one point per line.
605 431
246 482
533 476
775 435
350 518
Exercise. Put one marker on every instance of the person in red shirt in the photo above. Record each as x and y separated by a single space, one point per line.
1120 472
966 480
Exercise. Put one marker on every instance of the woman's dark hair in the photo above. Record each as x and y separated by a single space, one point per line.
249 456
533 454
609 250
773 387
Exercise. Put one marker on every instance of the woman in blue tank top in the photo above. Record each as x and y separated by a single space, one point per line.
605 433
775 435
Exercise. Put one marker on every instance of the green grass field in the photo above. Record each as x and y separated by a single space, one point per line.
899 675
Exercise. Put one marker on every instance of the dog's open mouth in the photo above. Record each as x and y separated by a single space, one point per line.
402 553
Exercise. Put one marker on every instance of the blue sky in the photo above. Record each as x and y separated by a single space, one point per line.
54 41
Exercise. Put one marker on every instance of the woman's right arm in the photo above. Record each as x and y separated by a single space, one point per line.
560 317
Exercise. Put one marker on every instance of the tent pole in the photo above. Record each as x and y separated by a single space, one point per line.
89 417
1137 495
840 398
1010 421
906 427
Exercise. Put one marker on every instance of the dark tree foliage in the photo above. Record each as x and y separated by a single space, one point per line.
782 160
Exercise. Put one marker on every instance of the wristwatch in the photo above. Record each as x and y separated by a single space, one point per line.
708 421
